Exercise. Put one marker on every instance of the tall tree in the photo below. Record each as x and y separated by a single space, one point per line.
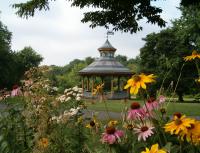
6 57
28 57
163 52
188 27
25 59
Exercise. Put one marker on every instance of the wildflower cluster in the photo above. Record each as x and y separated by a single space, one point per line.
139 118
111 134
65 116
71 93
185 128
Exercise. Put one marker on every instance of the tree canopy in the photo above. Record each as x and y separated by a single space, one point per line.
122 15
162 55
14 64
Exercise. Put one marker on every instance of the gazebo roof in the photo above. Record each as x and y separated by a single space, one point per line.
106 64
107 47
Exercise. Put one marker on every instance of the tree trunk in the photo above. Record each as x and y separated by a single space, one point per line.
180 96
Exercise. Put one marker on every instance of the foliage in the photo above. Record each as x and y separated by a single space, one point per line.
27 58
14 64
62 76
42 121
187 26
121 15
6 58
163 55
15 136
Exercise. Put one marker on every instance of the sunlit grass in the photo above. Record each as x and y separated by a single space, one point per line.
190 109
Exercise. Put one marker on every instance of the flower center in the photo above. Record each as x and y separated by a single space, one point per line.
92 123
191 127
177 114
129 126
137 78
135 105
194 52
151 99
144 128
163 110
110 130
178 122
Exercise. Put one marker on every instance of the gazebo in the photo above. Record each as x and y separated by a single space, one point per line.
107 70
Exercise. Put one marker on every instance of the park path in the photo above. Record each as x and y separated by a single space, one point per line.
102 115
2 106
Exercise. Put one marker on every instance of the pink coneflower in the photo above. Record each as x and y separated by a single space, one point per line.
111 135
151 104
161 99
16 91
147 113
144 131
135 112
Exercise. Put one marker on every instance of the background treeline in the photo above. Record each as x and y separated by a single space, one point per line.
13 64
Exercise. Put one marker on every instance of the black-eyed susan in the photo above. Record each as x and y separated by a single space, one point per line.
112 123
128 126
139 81
98 89
92 124
180 123
198 80
154 149
192 57
43 142
191 133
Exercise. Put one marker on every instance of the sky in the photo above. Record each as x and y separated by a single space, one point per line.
60 37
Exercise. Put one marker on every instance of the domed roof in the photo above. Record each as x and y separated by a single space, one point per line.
105 66
107 47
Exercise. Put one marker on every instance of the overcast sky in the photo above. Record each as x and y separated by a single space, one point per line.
59 36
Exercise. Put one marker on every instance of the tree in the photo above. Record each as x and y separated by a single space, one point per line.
188 27
6 58
27 58
24 60
163 52
122 59
122 15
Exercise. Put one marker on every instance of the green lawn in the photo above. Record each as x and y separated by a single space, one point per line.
190 109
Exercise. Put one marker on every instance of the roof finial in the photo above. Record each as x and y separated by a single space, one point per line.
109 33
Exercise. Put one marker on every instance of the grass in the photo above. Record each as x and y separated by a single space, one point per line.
189 109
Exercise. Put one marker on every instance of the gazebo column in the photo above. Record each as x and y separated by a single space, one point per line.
88 83
83 85
118 83
112 86
92 88
102 79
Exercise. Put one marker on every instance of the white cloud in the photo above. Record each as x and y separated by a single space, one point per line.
59 36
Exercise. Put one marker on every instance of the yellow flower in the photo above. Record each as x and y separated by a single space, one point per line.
192 57
139 81
198 80
192 132
98 89
92 124
179 124
43 142
154 149
112 123
128 126
80 119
